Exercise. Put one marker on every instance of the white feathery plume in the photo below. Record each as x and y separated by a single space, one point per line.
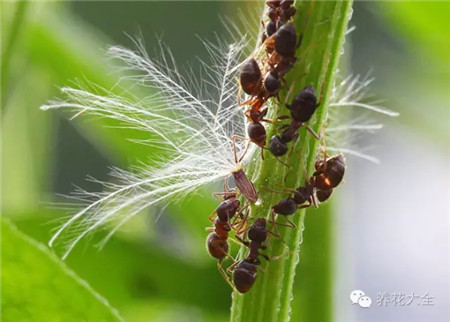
193 122
352 92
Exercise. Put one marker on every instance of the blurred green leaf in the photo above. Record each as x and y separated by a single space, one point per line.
130 270
419 86
423 22
36 286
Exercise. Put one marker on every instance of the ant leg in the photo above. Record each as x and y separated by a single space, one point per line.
274 225
245 151
211 217
209 229
245 243
264 256
305 206
283 117
224 274
225 193
241 223
310 130
299 41
230 268
290 223
323 82
268 121
288 95
314 202
286 165
278 191
288 190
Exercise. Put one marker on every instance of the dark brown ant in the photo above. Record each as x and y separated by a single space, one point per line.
304 104
217 244
281 47
287 11
302 197
244 275
285 41
273 4
329 172
302 109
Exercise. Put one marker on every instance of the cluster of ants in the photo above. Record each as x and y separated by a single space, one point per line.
262 80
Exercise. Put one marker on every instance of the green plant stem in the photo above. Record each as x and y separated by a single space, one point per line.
323 25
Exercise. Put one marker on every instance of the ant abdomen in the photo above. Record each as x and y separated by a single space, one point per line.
250 77
217 246
323 195
303 194
257 134
258 231
285 207
304 104
277 147
244 275
286 40
329 173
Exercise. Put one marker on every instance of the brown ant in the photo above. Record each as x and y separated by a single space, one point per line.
329 172
278 12
281 47
302 197
217 244
302 109
244 275
251 83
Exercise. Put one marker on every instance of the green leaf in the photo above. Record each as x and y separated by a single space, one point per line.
36 286
323 34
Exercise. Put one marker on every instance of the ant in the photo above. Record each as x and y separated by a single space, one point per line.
244 275
302 109
329 172
281 47
251 82
302 197
217 244
328 175
279 12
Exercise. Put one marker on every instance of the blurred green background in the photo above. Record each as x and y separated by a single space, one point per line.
159 270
